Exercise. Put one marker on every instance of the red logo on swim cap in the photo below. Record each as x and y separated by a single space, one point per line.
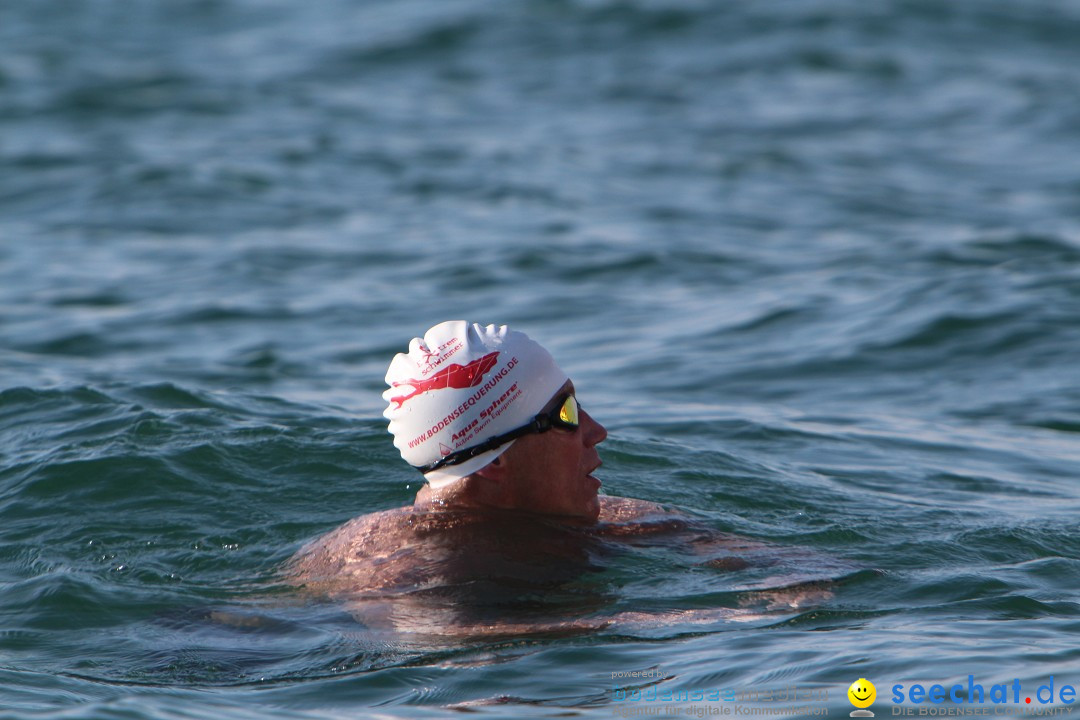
454 376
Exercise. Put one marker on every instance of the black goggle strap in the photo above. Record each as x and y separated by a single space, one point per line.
541 423
456 458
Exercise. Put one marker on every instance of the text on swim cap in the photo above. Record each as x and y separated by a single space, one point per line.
455 376
494 410
441 354
457 412
465 431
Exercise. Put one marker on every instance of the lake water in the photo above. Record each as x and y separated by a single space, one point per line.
815 265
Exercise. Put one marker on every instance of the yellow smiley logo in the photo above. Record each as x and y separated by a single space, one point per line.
862 693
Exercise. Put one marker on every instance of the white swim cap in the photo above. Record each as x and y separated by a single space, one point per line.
461 384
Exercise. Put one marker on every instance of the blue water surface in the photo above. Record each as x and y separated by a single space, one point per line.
815 264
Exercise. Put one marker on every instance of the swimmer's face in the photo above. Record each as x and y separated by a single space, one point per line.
552 471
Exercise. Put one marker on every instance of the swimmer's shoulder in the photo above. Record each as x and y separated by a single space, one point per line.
623 509
628 518
357 541
361 528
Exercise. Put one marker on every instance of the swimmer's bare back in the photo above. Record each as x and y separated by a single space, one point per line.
425 570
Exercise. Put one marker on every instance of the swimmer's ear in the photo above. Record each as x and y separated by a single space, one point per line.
493 484
495 470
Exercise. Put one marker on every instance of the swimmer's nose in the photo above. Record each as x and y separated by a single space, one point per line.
593 432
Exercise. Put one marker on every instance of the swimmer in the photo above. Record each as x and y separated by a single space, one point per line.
510 514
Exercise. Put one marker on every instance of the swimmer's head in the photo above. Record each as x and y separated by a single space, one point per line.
462 385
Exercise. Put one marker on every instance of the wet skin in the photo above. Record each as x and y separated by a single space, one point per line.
481 572
528 527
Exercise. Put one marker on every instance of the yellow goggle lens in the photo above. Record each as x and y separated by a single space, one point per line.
568 413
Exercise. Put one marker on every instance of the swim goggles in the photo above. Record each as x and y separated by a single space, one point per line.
564 415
